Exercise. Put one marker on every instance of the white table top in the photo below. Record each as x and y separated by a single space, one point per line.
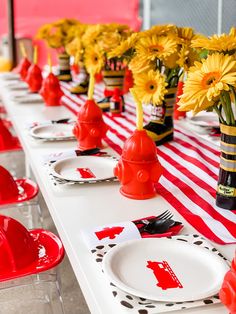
78 207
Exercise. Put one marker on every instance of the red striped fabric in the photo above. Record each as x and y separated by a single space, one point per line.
190 165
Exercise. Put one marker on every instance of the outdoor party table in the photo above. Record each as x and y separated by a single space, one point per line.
187 189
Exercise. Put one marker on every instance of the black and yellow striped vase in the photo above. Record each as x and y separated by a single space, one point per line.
226 188
112 79
161 127
64 67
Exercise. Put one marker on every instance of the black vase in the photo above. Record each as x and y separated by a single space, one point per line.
226 188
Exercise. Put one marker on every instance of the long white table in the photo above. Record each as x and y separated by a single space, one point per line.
77 207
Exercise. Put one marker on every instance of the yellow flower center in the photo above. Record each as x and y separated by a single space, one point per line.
210 79
151 87
156 48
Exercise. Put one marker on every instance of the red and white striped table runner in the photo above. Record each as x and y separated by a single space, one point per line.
191 167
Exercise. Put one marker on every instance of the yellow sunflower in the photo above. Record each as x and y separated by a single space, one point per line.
223 43
206 81
75 48
93 59
150 87
91 34
156 47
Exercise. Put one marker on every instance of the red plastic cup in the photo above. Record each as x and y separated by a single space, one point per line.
51 90
34 78
90 128
228 290
24 252
15 190
138 170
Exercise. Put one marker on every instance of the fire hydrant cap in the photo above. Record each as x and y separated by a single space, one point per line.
139 148
90 112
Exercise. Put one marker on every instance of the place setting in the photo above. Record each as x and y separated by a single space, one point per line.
149 264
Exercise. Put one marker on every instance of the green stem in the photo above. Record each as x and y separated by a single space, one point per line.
225 108
218 111
226 96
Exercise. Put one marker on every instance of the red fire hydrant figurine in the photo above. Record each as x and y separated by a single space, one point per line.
51 90
228 289
90 127
34 76
138 169
24 63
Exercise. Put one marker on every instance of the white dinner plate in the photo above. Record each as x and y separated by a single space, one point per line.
60 131
178 271
84 168
28 98
205 119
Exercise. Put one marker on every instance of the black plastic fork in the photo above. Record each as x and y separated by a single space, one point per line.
165 215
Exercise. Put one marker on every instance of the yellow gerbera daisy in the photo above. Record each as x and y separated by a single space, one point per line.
206 81
186 34
93 59
150 87
109 40
161 30
124 46
75 48
140 64
223 43
156 47
187 57
91 34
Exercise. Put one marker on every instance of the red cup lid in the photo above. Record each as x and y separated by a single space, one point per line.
24 252
139 148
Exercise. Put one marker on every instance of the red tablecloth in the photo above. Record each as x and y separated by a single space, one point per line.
191 167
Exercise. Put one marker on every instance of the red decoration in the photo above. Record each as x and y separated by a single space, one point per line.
90 127
75 69
179 114
116 102
85 173
228 289
34 78
15 190
23 68
24 252
98 77
7 140
138 169
51 90
128 81
109 232
164 274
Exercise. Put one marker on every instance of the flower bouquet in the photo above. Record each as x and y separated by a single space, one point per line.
158 55
211 85
57 35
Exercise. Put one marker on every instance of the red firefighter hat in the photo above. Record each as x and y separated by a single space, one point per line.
7 140
139 148
24 252
15 190
90 112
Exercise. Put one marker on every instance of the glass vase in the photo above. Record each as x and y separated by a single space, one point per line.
64 67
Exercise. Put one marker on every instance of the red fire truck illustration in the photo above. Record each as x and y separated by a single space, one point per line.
164 274
109 232
85 173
